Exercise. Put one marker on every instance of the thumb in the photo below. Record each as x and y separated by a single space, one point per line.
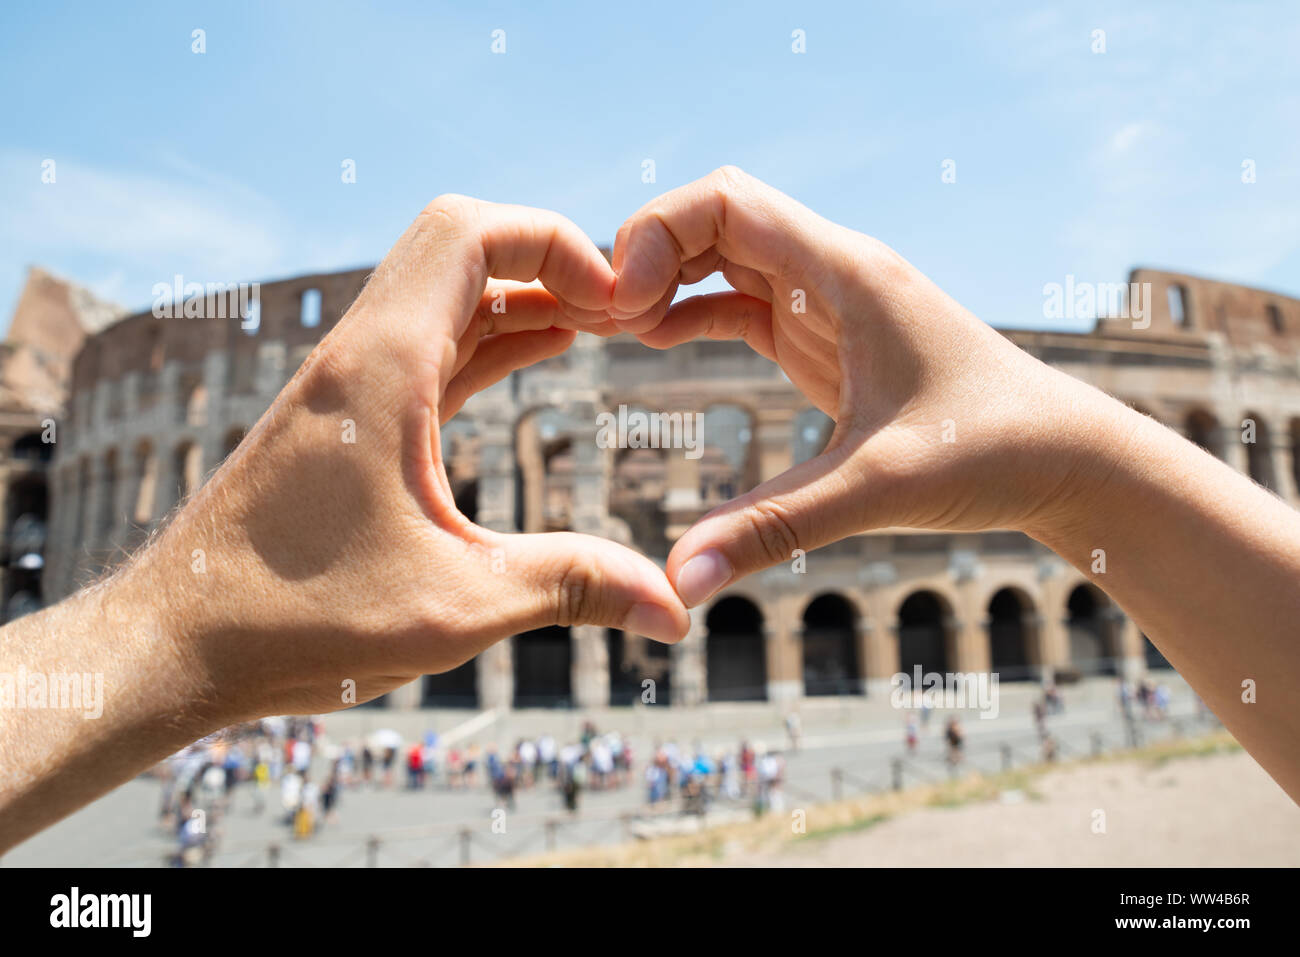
813 504
564 578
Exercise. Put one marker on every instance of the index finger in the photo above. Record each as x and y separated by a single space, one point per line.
748 222
442 264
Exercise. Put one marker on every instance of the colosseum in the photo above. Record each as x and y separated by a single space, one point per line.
150 406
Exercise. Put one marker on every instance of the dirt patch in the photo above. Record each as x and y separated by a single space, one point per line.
1220 810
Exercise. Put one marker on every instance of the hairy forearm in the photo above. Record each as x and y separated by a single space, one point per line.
136 696
1206 563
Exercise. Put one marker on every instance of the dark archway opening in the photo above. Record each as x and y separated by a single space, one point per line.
735 652
1203 429
1009 637
1155 659
457 688
922 634
634 660
1091 647
830 648
466 498
31 448
543 663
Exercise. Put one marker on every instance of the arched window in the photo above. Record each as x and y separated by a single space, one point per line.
812 430
309 308
1259 450
234 435
186 464
108 496
1178 311
31 447
146 488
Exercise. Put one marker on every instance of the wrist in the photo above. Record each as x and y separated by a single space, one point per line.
176 614
1094 454
167 628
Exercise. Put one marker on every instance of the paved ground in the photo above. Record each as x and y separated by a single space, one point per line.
1215 811
439 827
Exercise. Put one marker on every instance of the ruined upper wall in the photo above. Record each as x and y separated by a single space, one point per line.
50 323
1244 316
142 342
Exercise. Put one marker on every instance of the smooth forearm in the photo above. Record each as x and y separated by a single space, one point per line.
1205 562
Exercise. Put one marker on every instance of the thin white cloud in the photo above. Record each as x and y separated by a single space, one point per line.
119 233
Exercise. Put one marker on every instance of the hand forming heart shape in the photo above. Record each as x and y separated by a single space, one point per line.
364 569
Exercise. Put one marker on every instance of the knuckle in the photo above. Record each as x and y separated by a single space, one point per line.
730 178
448 209
772 530
576 598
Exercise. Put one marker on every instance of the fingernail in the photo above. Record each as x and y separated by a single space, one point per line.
702 575
652 621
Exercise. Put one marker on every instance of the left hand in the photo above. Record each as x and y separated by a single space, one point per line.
328 559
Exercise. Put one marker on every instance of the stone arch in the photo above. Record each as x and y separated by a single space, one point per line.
26 511
1259 453
632 660
1013 633
459 443
732 427
194 400
230 441
639 491
1293 436
108 476
812 430
82 499
1154 657
145 474
543 439
1201 426
543 666
927 632
830 646
30 446
1092 629
187 475
735 650
457 688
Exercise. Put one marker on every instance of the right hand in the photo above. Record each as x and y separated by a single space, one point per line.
940 422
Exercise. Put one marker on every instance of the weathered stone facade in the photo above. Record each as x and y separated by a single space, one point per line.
49 323
158 403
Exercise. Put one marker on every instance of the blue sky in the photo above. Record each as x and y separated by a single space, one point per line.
226 166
